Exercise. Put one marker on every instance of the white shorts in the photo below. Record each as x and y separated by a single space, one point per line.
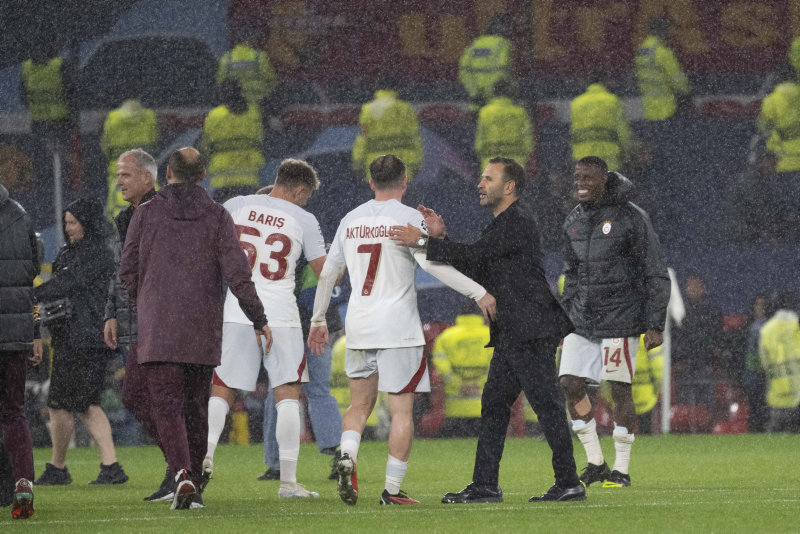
242 357
400 370
609 359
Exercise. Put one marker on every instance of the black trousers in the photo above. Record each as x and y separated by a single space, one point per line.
529 367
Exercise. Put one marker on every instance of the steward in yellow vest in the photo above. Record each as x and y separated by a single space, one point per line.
780 121
779 348
659 75
794 56
46 90
598 126
129 126
486 61
252 69
461 359
233 140
388 126
504 129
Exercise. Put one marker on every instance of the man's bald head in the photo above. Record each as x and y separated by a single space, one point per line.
186 165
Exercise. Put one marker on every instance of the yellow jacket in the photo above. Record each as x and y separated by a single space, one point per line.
234 146
129 126
779 348
388 126
660 79
44 87
253 70
794 55
504 130
483 63
598 126
780 119
462 360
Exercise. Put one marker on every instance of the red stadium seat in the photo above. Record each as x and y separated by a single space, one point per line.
343 116
444 115
721 109
306 119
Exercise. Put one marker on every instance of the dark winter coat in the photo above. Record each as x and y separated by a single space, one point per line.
81 273
179 248
616 283
507 261
19 265
118 305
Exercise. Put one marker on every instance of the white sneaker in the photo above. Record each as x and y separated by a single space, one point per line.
295 491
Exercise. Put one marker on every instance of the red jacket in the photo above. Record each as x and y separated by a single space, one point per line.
179 248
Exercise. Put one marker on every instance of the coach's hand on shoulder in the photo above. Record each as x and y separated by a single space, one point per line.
267 343
110 333
488 306
405 236
317 339
652 339
433 221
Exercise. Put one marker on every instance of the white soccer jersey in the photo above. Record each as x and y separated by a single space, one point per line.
382 311
273 233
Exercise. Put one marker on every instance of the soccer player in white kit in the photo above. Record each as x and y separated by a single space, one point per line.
384 333
273 231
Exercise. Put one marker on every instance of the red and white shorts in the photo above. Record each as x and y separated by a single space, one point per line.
242 357
400 370
611 359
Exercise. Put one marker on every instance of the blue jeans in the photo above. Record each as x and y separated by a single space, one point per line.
326 421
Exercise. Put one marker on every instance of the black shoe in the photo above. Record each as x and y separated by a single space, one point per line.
111 474
334 474
556 493
399 498
166 490
53 476
196 501
595 473
617 480
271 474
474 493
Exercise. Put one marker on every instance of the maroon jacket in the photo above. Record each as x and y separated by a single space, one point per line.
180 245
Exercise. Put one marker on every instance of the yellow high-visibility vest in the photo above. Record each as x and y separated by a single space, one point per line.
123 130
462 360
388 126
504 130
253 70
660 78
234 144
598 126
780 120
485 62
779 349
44 87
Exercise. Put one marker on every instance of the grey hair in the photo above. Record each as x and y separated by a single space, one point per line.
143 161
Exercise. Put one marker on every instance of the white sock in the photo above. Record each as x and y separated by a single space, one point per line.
287 434
395 472
622 443
217 413
350 442
587 433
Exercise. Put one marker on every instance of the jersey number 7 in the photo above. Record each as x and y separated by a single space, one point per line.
374 251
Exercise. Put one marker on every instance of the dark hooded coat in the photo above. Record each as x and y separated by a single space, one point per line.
616 283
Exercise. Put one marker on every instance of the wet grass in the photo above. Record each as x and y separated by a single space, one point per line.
746 483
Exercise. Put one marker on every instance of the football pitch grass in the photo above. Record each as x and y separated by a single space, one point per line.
745 483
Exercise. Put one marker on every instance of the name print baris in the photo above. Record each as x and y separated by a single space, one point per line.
269 220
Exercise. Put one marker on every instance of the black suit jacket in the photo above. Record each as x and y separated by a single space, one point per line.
507 261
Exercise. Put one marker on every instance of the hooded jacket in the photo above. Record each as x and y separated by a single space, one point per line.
81 273
180 248
616 283
19 265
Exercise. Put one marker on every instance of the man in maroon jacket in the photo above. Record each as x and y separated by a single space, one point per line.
180 248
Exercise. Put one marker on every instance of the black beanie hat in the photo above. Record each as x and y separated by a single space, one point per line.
89 213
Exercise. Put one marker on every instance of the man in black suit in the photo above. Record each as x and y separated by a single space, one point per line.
530 323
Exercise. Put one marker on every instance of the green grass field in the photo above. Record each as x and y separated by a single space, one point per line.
748 483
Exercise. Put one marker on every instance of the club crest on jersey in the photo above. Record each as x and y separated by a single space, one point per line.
606 227
615 341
